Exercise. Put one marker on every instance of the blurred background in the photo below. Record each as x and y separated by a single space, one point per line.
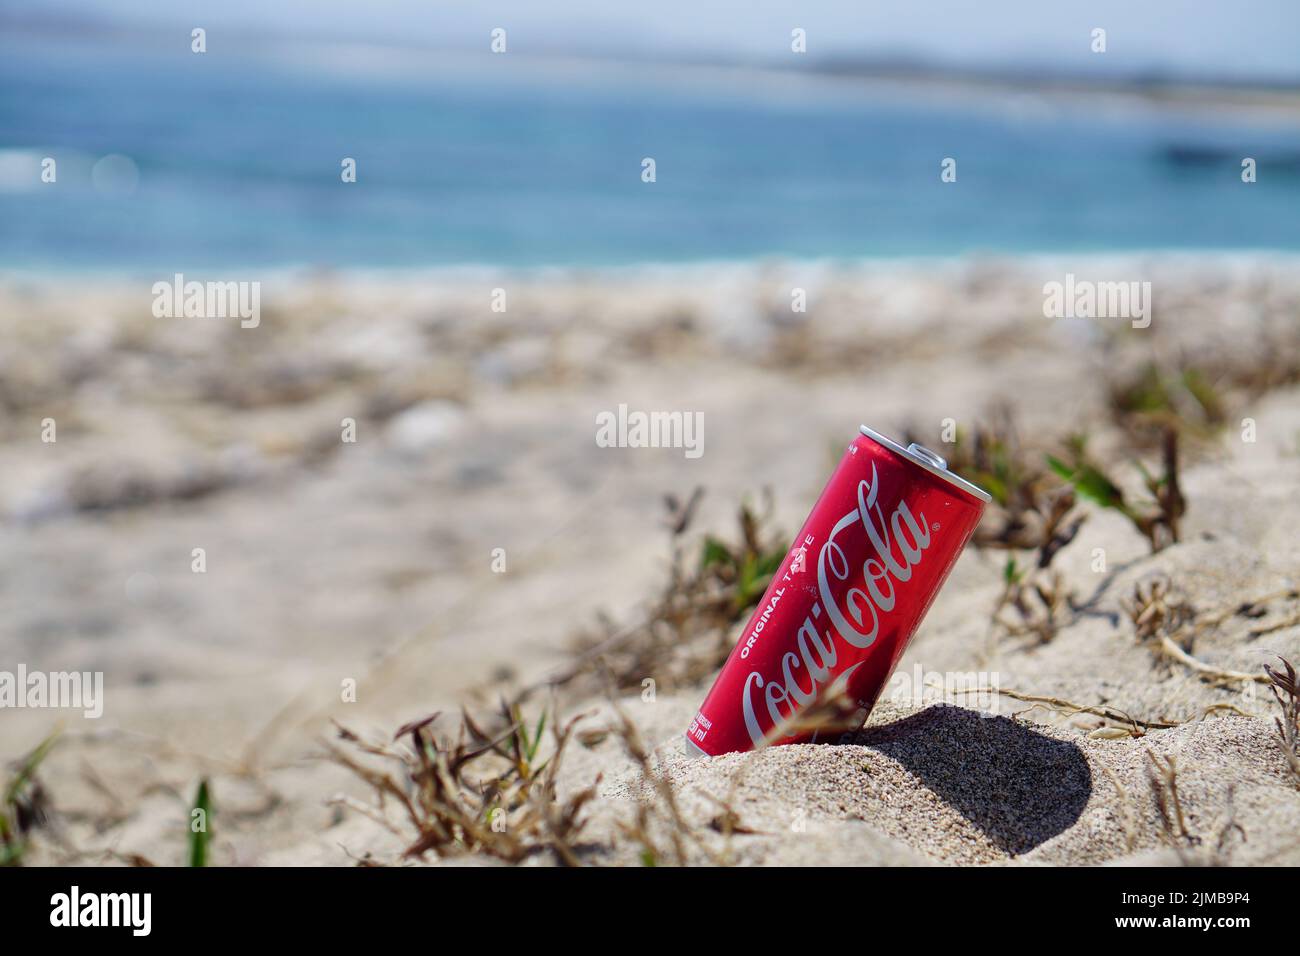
533 157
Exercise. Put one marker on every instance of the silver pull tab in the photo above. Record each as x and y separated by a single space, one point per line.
920 451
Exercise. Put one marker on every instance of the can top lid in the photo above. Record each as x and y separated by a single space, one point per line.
930 461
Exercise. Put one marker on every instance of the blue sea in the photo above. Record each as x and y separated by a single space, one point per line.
235 160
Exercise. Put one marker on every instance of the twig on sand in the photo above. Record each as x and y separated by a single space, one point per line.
1170 648
1068 708
1226 829
1126 816
1292 621
1137 727
1163 777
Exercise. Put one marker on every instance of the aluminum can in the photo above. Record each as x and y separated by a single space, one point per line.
846 600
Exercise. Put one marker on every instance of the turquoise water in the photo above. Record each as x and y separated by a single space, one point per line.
239 163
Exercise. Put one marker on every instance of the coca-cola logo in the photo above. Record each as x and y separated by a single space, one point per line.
854 610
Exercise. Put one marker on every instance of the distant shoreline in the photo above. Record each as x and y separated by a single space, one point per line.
752 267
386 56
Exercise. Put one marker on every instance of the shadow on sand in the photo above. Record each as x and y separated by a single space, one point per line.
1018 787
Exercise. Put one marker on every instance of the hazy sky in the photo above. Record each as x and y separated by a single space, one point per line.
1242 38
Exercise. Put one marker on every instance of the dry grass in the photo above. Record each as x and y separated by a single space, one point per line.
1287 694
1192 849
1199 398
1156 398
1158 517
477 791
1039 599
1170 625
1032 510
1155 610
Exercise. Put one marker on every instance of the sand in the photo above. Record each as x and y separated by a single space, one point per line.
946 785
373 562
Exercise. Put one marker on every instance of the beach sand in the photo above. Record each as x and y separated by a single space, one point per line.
377 562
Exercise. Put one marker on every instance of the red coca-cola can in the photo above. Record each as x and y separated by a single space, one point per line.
840 610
